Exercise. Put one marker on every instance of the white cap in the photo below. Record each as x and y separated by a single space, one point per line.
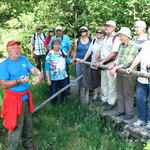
140 24
37 27
59 28
111 22
126 31
83 27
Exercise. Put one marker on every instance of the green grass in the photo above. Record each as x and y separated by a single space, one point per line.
70 126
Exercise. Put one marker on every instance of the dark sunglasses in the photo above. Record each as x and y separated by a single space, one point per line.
83 31
99 32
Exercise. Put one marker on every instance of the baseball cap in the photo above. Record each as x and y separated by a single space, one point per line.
126 31
37 27
10 43
59 28
83 27
140 23
111 22
51 29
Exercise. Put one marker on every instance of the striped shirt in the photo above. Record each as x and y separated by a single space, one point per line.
38 44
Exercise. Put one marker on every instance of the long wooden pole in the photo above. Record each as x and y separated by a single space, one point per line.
134 73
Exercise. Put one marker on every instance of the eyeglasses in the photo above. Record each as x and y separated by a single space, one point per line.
99 32
83 31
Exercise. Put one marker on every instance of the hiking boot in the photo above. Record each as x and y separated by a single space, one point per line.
104 103
148 125
128 117
139 123
109 107
117 114
95 98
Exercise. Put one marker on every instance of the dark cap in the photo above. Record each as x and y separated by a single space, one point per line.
51 30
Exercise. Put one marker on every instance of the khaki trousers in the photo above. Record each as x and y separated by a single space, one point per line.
108 86
24 128
125 93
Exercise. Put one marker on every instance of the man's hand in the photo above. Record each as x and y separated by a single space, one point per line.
23 79
98 64
112 71
129 70
37 80
110 66
49 82
93 62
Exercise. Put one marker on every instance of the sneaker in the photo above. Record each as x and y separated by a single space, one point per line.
139 123
95 98
128 117
148 125
117 114
109 107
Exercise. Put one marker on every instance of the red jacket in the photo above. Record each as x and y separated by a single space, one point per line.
12 104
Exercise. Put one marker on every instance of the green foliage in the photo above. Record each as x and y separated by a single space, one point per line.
147 145
18 18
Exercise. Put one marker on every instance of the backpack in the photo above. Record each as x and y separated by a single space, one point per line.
112 39
64 56
90 39
40 37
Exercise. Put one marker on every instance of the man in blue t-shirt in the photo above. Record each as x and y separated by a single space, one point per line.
66 45
17 99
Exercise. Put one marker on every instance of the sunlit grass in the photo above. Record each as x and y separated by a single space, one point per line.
70 126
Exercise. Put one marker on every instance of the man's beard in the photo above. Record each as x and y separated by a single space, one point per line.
38 32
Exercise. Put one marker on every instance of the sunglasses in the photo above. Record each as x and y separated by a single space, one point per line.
99 32
83 31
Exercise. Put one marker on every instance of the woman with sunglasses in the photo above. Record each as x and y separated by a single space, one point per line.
51 33
80 48
93 50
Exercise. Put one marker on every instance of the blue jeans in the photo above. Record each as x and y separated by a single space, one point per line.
54 88
142 92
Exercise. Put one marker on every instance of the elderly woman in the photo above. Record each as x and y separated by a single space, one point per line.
125 83
55 67
81 46
94 71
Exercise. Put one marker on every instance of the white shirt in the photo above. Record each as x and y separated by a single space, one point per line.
107 46
94 48
145 60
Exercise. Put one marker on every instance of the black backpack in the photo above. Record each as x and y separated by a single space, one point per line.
40 37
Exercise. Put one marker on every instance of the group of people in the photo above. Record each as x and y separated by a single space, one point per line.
115 51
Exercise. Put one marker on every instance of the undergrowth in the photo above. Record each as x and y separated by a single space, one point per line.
70 126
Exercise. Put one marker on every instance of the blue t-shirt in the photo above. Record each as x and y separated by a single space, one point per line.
12 70
82 49
56 65
65 42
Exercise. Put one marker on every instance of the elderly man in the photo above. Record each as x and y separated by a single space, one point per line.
17 103
107 51
142 90
37 48
125 83
66 45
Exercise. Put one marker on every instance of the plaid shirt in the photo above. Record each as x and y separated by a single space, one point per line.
38 44
126 55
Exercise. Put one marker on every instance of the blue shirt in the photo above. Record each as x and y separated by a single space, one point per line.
56 65
82 49
65 42
12 70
